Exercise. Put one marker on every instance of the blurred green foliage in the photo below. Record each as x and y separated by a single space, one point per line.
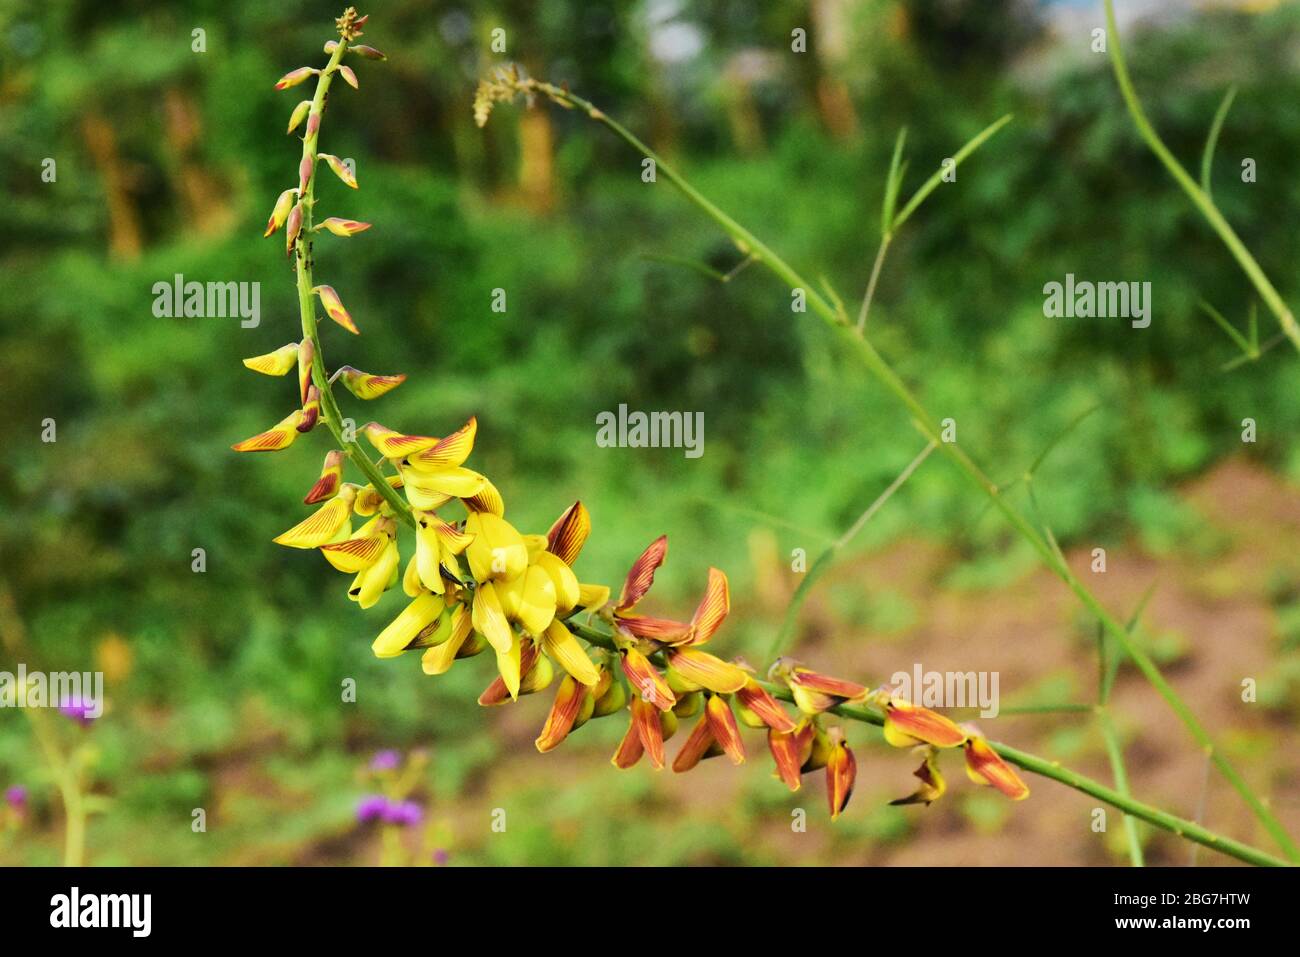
168 160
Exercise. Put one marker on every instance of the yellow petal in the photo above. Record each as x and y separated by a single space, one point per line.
395 445
713 607
367 386
354 554
449 452
414 618
488 499
497 551
529 600
558 642
331 477
320 527
508 664
567 590
371 583
278 362
411 579
279 436
706 670
451 482
438 659
592 596
490 620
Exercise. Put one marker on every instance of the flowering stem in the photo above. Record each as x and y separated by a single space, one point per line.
1200 197
307 305
925 422
1029 762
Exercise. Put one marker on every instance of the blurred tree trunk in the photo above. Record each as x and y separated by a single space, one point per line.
537 158
831 48
124 235
204 202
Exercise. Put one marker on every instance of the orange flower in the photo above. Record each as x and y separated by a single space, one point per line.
841 771
985 766
814 692
907 725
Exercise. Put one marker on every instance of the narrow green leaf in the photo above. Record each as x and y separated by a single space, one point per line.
1228 327
932 183
892 183
1212 139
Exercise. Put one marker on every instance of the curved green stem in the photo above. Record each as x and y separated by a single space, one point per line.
1200 198
307 303
929 427
1179 826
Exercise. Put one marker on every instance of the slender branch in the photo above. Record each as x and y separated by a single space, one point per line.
307 305
827 557
1116 755
1200 198
1035 765
871 283
928 426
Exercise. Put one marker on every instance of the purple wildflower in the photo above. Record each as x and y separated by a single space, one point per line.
440 857
16 797
386 760
405 813
78 709
372 807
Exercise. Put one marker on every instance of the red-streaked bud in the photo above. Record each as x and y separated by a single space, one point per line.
334 308
364 385
306 356
294 77
305 168
340 168
569 533
331 475
642 573
841 772
293 226
344 227
907 725
697 747
348 76
645 720
985 766
310 410
298 115
278 362
313 126
369 53
280 212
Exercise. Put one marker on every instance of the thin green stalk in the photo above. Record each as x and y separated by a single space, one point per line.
1035 765
307 304
827 557
1199 197
1116 755
928 426
871 283
1212 139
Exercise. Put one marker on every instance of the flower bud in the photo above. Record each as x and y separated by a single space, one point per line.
331 46
366 386
370 53
334 308
293 226
340 169
305 168
310 410
331 474
313 126
298 115
344 227
294 77
306 356
280 212
278 362
349 77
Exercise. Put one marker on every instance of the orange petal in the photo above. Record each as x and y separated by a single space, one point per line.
725 730
662 630
787 753
713 607
825 684
985 766
564 711
333 305
449 452
647 683
907 725
642 573
841 771
755 697
696 747
706 670
645 719
279 436
570 531
629 750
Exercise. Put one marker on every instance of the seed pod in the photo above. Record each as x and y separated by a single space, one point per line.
334 308
280 212
340 169
349 77
344 227
370 53
293 228
298 115
294 77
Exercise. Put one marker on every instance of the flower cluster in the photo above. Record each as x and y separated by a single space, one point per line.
475 583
